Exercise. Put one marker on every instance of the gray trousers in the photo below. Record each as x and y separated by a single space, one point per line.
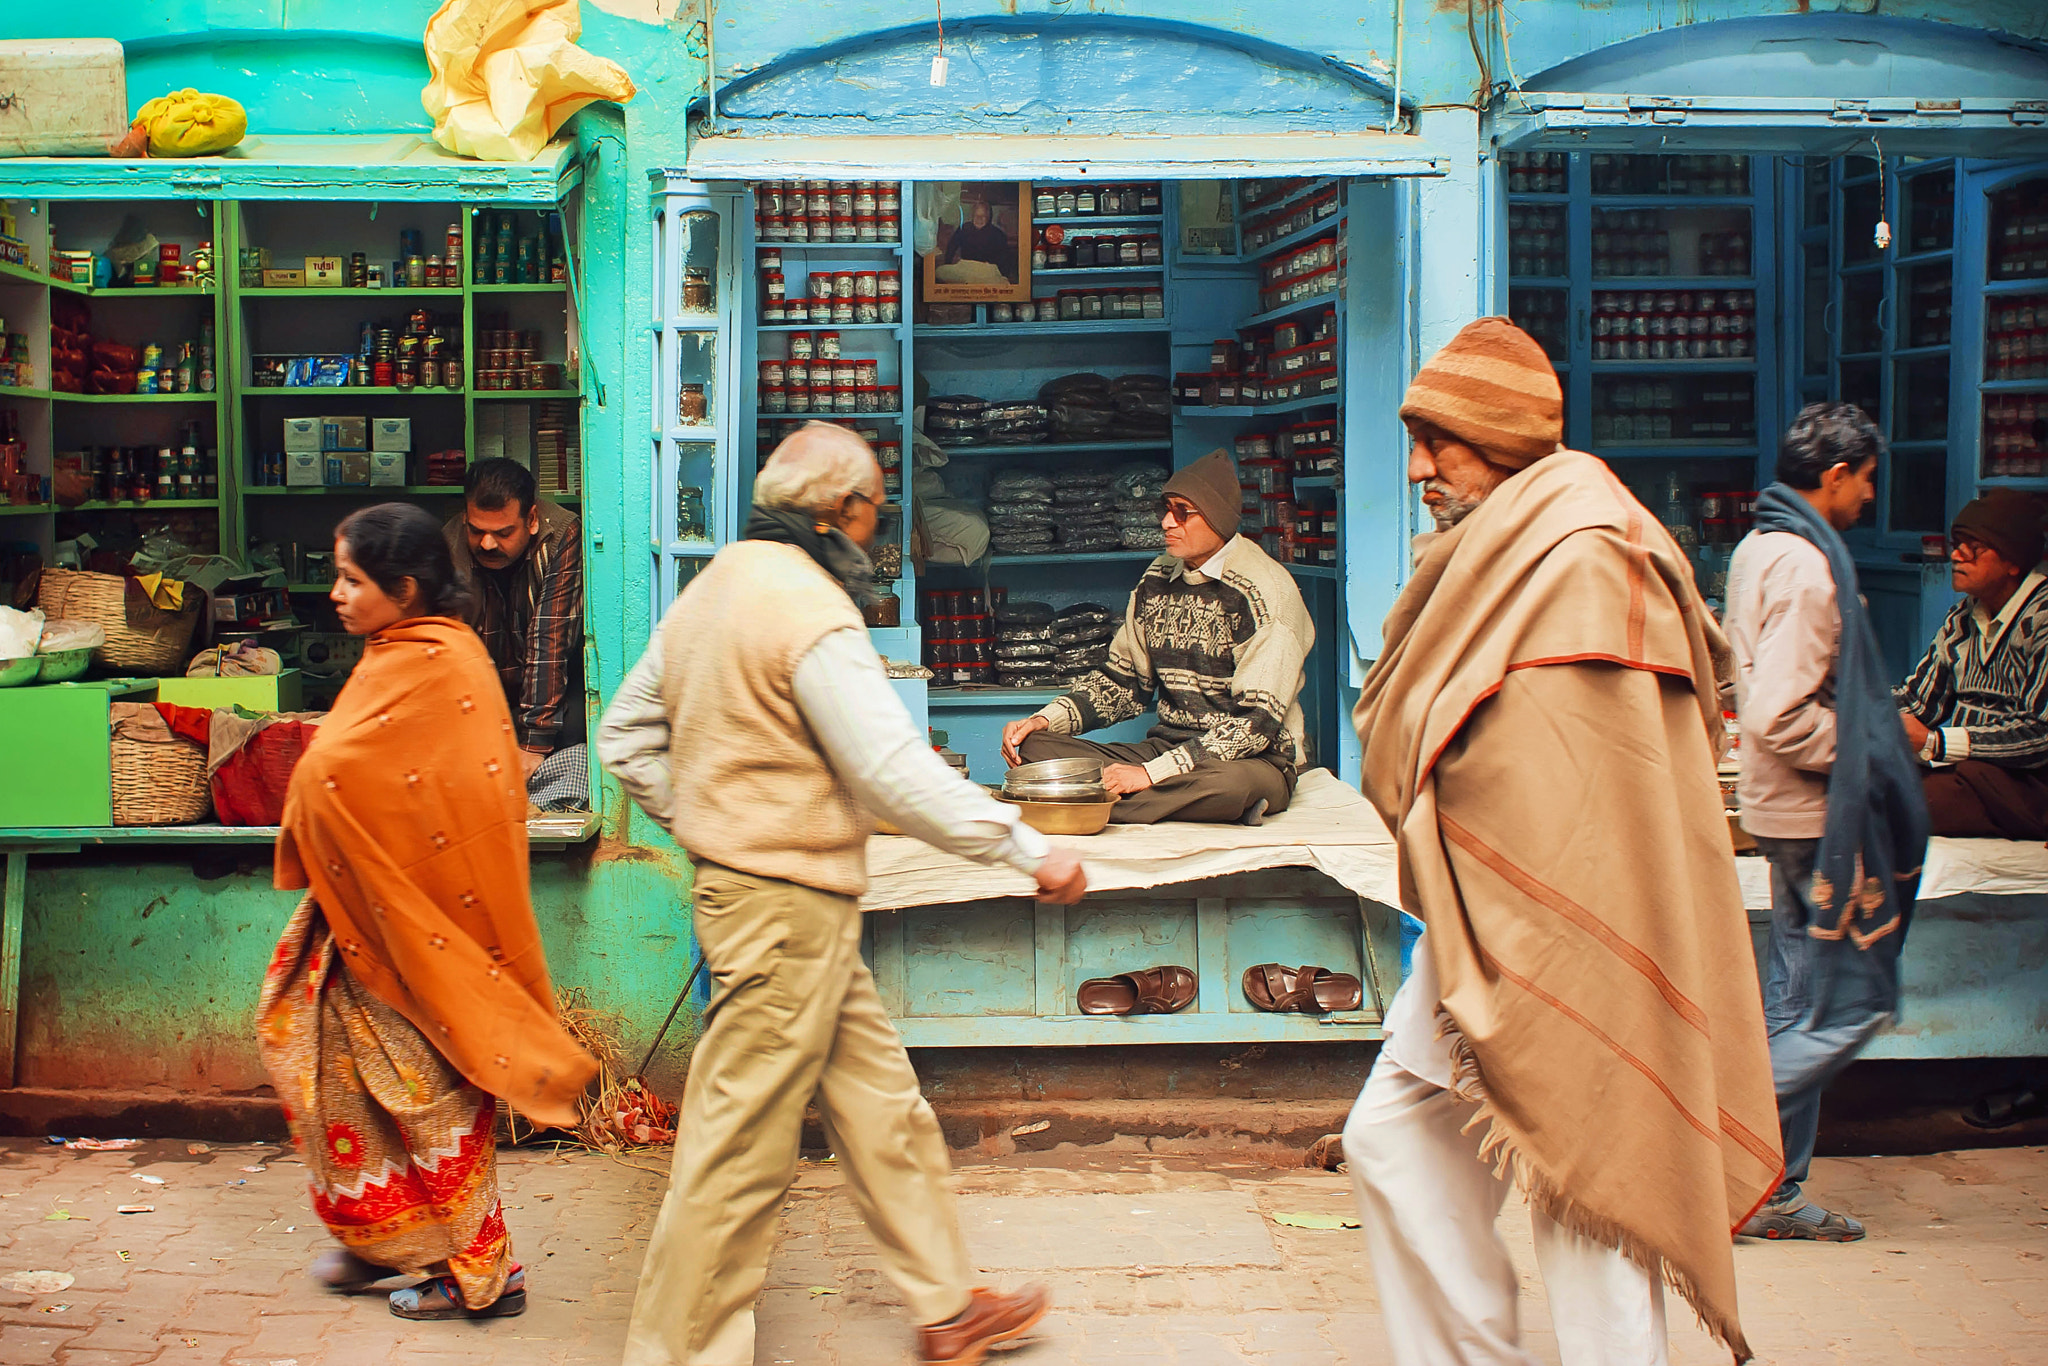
1219 790
1824 1000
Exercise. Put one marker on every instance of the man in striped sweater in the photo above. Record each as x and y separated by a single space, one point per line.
1216 633
1976 708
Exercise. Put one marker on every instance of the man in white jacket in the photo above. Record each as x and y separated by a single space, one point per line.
1786 630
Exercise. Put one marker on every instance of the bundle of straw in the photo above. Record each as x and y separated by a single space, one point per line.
621 1112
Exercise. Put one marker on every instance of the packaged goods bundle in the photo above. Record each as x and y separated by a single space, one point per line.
1020 513
954 419
1024 648
1015 424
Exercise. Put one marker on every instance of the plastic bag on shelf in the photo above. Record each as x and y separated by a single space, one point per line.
1142 537
506 74
1024 613
1026 649
1019 486
1085 613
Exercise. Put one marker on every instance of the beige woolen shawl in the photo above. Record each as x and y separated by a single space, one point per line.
1540 734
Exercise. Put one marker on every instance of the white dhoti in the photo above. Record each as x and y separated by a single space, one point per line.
1428 1205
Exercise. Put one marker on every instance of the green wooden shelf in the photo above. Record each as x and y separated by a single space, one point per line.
137 398
25 509
544 287
326 390
28 275
140 505
318 490
347 292
486 395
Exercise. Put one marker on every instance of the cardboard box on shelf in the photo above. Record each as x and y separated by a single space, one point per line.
284 279
390 433
344 433
355 467
303 469
302 434
324 271
490 431
387 469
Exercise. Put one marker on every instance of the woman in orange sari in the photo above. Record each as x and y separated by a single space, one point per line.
409 990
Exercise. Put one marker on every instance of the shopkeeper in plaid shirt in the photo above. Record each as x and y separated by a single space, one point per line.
526 558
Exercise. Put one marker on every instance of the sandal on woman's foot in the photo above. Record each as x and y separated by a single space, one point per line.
438 1298
345 1273
1802 1220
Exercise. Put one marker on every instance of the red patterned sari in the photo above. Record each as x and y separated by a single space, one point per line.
409 989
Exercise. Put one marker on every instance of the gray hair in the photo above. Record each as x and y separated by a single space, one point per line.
815 468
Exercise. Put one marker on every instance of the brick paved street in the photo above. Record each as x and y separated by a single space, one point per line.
1152 1260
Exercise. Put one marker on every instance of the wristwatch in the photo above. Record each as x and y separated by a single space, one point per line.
1932 748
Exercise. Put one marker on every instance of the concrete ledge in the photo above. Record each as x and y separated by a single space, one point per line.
29 1111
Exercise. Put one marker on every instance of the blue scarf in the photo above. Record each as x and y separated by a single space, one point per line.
1867 870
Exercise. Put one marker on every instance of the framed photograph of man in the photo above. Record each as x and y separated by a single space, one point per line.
984 251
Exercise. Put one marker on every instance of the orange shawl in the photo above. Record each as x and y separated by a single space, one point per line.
407 818
1540 733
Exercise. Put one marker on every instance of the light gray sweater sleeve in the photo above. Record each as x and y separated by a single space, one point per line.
633 737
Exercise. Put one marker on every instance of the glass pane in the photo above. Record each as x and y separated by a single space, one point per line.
2015 435
1538 172
1930 210
1920 400
695 464
1679 410
1542 313
1859 222
1814 173
2019 231
1861 386
1862 321
1928 305
1814 282
697 292
1536 241
696 386
1856 168
1674 324
1919 491
1670 175
2016 336
1683 242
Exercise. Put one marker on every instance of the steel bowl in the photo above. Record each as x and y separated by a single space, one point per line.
1057 791
1065 818
61 666
14 672
1087 770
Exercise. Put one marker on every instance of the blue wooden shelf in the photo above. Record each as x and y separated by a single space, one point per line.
1293 405
1165 443
2012 386
1084 557
1281 246
964 699
1718 363
2034 284
1316 481
1090 271
762 244
1089 220
1316 303
1601 284
996 331
827 327
1314 571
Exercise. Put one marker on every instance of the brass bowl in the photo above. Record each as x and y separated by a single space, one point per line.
1064 818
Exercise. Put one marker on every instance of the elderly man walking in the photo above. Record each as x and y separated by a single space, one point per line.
1540 735
761 728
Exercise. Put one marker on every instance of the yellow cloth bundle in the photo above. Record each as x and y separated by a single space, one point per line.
190 124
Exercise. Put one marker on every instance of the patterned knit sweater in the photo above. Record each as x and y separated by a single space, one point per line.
1984 681
1221 651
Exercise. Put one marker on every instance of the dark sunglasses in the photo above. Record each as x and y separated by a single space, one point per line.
1177 513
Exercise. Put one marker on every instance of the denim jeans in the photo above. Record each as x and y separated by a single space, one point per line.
1824 1000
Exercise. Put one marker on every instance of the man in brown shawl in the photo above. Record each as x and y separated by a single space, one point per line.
1540 734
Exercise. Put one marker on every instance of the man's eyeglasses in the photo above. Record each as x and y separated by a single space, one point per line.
1176 512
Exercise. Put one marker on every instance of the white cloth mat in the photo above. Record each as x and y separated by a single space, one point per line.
1954 868
1328 827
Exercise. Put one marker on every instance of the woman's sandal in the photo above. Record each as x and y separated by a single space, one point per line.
344 1273
2001 1109
438 1298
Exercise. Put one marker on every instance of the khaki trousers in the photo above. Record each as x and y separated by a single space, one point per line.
795 1015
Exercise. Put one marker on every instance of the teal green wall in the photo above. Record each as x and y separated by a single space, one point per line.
139 973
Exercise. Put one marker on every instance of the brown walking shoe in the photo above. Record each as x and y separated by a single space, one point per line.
989 1321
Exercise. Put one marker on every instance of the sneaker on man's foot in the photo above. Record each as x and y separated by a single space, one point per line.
1802 1218
990 1320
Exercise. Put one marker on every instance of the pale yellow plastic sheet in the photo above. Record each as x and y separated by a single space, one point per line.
508 73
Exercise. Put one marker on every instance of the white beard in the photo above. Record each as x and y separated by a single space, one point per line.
1449 509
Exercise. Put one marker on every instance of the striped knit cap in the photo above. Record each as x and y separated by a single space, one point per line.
1492 388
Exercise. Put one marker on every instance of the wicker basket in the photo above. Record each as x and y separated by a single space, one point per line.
159 782
156 648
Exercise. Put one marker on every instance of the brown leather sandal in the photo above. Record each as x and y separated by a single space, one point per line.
1310 990
1149 991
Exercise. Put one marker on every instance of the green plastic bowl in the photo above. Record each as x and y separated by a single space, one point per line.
61 666
17 671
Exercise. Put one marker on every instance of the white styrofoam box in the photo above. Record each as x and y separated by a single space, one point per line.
387 469
390 434
302 434
68 97
490 431
304 469
518 432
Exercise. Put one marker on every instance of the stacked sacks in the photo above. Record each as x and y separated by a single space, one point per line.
1091 407
1081 634
1084 511
1020 513
954 419
1015 424
1137 488
1024 649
